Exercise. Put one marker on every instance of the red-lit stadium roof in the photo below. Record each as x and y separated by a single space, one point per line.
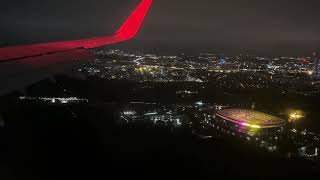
250 118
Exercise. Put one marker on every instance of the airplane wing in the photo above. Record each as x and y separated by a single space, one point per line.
23 65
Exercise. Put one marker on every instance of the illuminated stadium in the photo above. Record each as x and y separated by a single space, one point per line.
250 121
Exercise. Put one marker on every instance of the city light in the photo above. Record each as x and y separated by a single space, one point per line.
55 100
255 126
295 115
244 124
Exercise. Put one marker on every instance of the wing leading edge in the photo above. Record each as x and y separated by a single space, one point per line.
127 31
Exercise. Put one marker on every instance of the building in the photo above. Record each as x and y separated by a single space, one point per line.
317 65
250 122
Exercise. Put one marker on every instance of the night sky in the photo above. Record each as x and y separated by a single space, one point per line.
232 26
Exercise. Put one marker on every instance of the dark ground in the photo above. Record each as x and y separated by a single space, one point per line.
48 142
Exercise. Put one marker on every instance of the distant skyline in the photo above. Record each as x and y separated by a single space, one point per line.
268 27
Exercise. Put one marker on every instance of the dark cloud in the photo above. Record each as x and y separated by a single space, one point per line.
288 26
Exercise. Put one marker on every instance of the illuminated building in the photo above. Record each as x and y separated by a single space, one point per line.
295 115
55 100
222 60
250 122
316 65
